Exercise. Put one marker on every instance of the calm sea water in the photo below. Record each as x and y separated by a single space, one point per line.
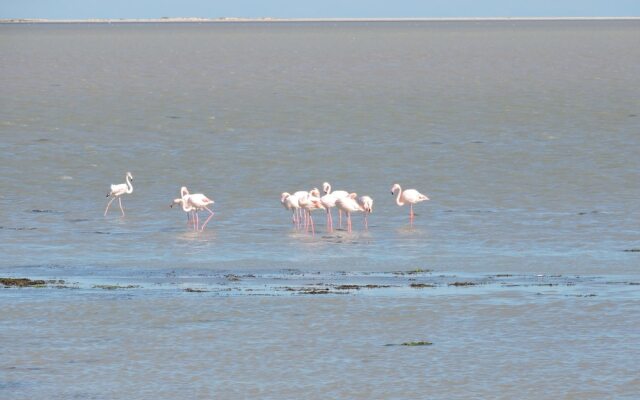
525 135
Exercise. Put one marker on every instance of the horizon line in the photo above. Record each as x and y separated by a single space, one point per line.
275 19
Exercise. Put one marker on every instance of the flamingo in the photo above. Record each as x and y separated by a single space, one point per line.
309 203
119 190
366 203
410 196
199 202
329 201
290 202
297 196
349 204
326 187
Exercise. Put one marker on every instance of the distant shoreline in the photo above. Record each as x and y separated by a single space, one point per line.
268 19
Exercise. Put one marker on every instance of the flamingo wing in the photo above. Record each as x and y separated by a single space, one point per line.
118 190
413 196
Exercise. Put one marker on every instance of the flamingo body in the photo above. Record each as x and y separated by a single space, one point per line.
118 190
349 205
410 196
309 203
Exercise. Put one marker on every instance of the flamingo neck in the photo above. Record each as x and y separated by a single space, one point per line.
398 201
186 207
129 185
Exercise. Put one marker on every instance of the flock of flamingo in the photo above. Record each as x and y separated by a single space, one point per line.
300 203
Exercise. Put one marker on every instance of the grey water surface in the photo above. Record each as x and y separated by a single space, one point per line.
524 134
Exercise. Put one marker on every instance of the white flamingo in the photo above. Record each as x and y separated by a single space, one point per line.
410 196
299 195
290 202
199 202
329 201
119 190
366 203
349 204
309 203
326 188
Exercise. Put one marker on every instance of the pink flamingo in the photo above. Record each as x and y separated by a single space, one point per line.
119 190
329 201
410 196
349 204
366 203
309 203
326 188
290 202
200 202
295 197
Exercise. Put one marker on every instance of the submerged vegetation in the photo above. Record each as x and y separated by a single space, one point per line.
115 287
22 282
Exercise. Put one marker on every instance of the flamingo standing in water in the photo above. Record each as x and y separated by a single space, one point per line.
118 190
366 203
410 196
329 201
199 202
290 202
300 194
349 204
326 188
309 203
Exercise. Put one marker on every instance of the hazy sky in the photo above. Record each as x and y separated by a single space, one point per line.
79 9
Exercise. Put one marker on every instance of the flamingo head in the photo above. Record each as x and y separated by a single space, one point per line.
367 203
394 188
314 192
326 188
130 176
184 191
284 196
175 201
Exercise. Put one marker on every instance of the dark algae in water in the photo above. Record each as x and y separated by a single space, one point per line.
412 344
420 343
21 282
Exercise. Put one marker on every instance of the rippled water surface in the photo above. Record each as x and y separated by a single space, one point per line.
525 135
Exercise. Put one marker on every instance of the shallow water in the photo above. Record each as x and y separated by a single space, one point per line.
523 134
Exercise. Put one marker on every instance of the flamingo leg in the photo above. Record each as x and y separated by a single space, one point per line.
411 214
340 219
197 224
348 222
108 204
366 223
331 219
120 203
313 228
210 216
